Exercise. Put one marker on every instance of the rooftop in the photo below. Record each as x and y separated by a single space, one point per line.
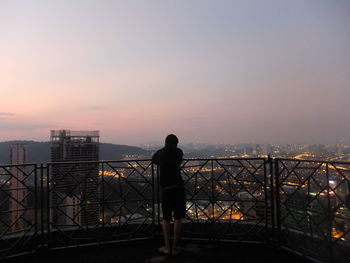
241 210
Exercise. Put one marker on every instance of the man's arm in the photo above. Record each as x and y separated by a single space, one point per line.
181 155
155 158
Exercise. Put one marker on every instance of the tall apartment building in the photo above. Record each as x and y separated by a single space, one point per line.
74 186
17 188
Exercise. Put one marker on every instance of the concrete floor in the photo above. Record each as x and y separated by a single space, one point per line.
147 252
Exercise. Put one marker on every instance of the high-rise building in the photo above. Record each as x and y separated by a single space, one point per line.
17 187
74 183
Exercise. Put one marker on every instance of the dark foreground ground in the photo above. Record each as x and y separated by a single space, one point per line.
147 252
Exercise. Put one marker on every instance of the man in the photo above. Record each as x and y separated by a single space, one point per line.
169 161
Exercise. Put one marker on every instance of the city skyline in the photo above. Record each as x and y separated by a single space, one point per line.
223 72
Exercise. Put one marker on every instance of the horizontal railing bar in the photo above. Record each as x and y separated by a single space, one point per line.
310 161
185 159
20 165
101 161
125 161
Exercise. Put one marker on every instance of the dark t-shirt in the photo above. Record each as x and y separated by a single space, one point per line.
169 161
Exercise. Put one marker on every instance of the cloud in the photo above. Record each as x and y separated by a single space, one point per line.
6 114
95 108
6 125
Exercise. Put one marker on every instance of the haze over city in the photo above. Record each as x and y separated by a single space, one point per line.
209 71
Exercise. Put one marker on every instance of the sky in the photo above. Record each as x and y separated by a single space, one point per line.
218 71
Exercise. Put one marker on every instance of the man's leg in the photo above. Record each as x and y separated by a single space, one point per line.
179 213
177 234
166 233
166 209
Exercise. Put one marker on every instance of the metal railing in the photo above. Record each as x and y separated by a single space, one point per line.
313 208
302 206
227 199
18 209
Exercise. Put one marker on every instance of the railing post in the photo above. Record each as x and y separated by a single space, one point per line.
153 202
42 237
212 198
48 239
103 197
42 209
277 201
270 162
41 204
36 207
158 200
330 243
308 207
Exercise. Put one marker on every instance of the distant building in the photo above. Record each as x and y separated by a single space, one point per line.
74 190
71 210
339 149
267 149
17 188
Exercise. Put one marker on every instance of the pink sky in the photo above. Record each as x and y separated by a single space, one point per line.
211 73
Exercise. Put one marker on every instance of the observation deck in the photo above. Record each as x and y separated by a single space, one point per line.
241 210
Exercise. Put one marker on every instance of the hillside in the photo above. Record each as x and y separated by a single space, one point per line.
39 152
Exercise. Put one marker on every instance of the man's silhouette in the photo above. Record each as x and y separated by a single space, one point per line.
169 161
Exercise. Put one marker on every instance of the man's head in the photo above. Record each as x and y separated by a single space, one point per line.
171 140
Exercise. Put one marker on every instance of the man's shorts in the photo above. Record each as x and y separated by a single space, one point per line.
173 201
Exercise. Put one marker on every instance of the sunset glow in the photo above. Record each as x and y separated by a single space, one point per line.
209 71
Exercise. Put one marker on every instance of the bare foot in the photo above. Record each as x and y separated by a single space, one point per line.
164 250
176 251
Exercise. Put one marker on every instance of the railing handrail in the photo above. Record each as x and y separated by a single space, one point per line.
184 159
309 160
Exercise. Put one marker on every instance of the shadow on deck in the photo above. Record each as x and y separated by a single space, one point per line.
146 251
